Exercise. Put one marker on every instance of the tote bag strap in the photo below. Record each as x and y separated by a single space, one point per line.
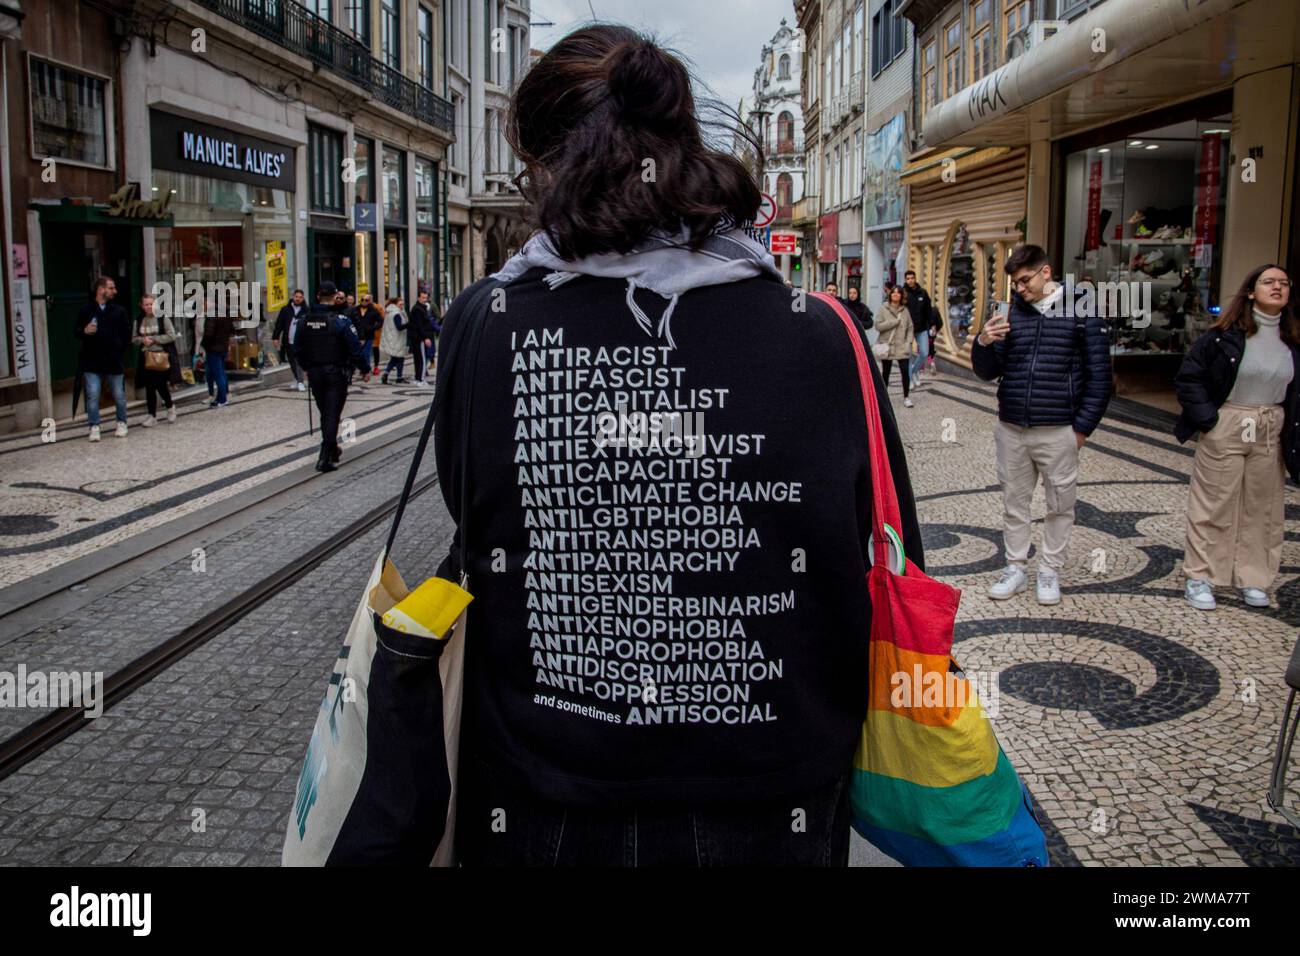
469 331
886 517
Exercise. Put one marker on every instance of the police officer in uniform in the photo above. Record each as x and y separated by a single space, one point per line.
327 348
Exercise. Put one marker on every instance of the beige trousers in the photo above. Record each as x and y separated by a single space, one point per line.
1234 503
1024 455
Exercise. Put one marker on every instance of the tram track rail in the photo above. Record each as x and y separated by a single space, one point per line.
60 723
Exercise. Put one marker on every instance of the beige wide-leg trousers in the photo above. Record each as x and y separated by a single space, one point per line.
1025 454
1234 503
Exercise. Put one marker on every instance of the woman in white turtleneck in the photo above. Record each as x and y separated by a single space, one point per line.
1239 387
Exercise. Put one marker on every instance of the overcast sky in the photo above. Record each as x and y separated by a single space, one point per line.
721 39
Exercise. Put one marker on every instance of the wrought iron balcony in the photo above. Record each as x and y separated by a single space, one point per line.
300 31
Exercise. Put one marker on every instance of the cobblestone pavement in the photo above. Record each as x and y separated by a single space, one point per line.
1143 729
65 499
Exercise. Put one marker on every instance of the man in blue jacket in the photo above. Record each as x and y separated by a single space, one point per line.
1055 385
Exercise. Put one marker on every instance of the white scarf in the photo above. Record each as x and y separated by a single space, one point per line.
663 263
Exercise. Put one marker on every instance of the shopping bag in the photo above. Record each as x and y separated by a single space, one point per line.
366 794
931 785
378 783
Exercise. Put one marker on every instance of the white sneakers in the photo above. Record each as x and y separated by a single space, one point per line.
1200 595
1048 587
149 422
300 386
121 430
1014 580
94 433
171 415
907 403
1254 597
423 384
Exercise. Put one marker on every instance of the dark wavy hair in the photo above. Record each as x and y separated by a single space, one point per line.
1240 313
586 118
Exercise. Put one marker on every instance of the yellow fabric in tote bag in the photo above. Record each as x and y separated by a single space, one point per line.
430 610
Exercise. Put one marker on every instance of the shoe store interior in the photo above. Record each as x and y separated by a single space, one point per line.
1146 212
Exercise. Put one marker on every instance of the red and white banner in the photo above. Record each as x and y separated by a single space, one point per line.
1093 238
1209 177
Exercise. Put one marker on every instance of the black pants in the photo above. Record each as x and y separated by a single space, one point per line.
155 384
417 355
293 362
499 827
329 387
887 365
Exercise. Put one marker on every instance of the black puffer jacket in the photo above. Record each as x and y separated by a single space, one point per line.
1205 379
1055 370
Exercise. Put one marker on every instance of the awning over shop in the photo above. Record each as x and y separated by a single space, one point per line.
1121 58
932 164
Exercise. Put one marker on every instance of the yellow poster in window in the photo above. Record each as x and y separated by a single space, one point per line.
277 277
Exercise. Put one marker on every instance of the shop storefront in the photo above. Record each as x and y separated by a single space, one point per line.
455 263
365 216
828 249
1143 210
395 226
966 212
850 267
1170 183
426 229
231 199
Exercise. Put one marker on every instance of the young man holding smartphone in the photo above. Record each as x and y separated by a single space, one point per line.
1055 386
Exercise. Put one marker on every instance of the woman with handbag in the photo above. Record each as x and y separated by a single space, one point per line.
154 334
393 340
1239 387
666 654
894 323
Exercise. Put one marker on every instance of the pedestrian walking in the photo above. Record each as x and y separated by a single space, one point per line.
393 340
1239 388
921 309
282 335
104 332
153 334
1055 384
420 335
215 341
621 770
857 308
367 320
894 323
329 349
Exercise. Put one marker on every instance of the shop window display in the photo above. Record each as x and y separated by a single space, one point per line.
961 284
221 233
1146 213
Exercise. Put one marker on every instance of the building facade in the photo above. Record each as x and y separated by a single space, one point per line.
354 141
888 134
1062 122
488 53
774 114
